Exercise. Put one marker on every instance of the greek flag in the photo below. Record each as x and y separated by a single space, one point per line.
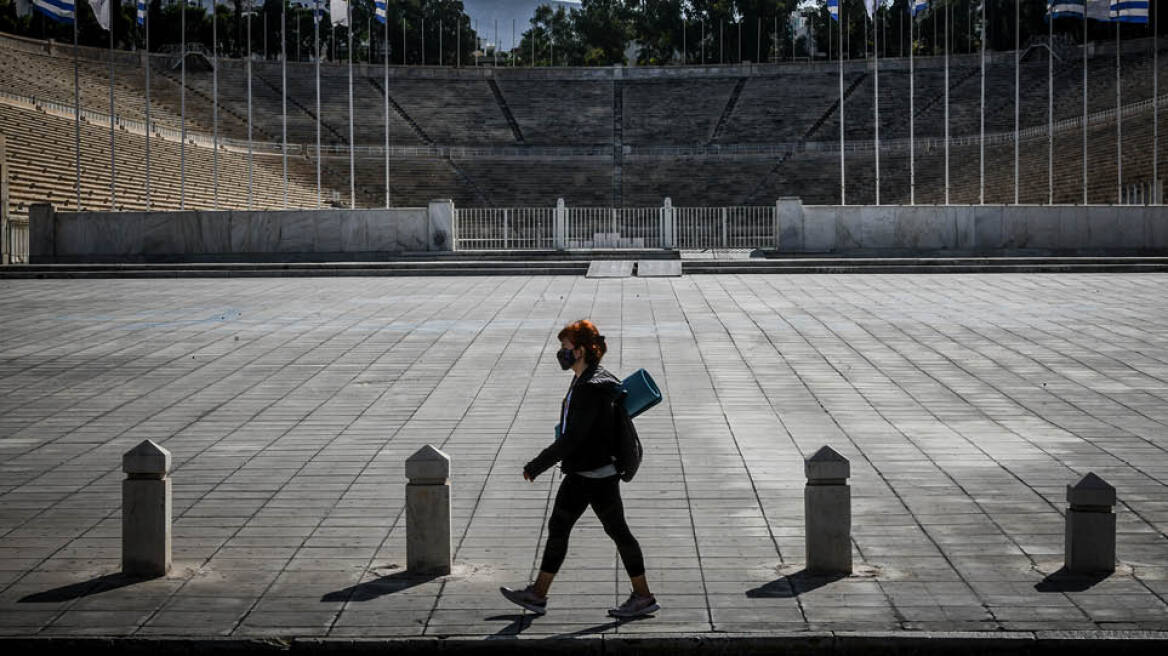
919 6
1066 8
62 10
833 9
1129 11
141 12
380 11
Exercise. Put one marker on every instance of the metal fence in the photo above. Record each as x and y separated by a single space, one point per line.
16 241
636 228
520 228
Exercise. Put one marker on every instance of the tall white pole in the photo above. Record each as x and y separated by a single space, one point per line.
1155 107
148 129
284 93
352 145
316 55
76 114
214 107
422 34
948 12
981 141
1049 105
1118 123
843 186
1084 104
250 169
386 90
1017 81
876 90
912 151
182 147
114 10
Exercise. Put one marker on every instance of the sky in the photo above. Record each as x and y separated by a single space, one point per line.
486 12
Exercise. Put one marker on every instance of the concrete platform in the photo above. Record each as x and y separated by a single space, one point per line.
966 403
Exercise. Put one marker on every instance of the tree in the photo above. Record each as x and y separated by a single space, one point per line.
603 27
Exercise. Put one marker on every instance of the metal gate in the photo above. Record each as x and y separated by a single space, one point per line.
635 228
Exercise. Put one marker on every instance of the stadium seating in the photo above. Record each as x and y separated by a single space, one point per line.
506 111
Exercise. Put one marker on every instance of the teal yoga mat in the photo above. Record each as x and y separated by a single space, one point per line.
641 392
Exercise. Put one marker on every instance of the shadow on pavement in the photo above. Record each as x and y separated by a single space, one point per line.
369 590
518 624
82 589
520 621
1066 581
793 585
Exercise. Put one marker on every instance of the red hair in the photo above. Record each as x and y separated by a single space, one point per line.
584 334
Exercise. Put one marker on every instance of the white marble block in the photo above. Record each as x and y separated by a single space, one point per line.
146 510
428 548
827 504
1090 527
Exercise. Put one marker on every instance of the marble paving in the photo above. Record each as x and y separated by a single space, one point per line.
966 403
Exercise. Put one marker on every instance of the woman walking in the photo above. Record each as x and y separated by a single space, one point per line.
585 450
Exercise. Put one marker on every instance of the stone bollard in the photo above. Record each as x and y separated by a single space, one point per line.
146 511
827 505
428 512
1090 528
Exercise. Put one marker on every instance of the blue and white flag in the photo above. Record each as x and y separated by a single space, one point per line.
339 12
919 6
872 6
1129 11
833 9
1066 8
101 11
141 12
380 11
58 10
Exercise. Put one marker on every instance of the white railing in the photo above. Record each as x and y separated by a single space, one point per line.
704 228
1148 192
614 227
521 228
635 228
16 242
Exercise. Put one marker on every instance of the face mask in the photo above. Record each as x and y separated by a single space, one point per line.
566 357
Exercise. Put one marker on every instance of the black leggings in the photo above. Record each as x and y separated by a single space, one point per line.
603 494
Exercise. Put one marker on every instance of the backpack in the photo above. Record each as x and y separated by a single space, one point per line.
627 445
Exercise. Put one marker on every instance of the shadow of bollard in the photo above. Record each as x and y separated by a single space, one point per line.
793 585
1065 580
370 590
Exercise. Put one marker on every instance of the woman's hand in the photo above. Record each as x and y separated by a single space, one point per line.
528 477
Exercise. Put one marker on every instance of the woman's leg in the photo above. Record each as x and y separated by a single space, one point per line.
571 500
607 504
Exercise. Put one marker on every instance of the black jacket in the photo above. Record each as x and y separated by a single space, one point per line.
588 442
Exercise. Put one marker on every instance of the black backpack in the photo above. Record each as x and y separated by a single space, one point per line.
627 445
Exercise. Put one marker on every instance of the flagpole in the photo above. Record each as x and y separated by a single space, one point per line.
284 92
1084 102
215 105
316 53
876 89
1049 105
250 172
146 20
182 146
386 90
113 159
1118 123
843 187
981 141
352 147
948 12
1017 81
912 151
1155 108
76 113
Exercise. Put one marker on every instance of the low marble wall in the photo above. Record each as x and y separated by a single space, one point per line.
973 229
241 236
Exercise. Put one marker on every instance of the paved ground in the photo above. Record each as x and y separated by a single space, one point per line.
966 404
